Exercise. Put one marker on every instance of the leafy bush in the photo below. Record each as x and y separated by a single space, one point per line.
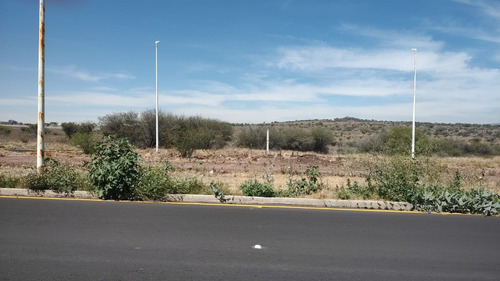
397 141
55 177
475 201
7 181
189 186
200 133
252 137
355 190
184 133
122 125
399 179
308 184
256 188
86 141
71 128
322 139
5 130
154 183
114 169
316 139
36 181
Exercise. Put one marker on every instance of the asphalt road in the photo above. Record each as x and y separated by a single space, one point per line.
82 240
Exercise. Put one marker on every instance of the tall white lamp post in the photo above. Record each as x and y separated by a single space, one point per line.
156 72
414 93
40 143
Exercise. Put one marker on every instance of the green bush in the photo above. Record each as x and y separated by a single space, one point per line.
184 133
397 141
399 179
200 133
36 181
322 139
308 184
5 130
316 139
252 137
86 141
453 200
71 128
123 125
154 183
7 181
189 186
56 177
355 190
114 169
256 188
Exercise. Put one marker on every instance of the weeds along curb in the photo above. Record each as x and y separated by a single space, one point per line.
243 200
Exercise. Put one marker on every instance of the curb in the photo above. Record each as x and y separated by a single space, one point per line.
239 200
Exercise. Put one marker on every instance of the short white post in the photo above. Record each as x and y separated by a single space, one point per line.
267 142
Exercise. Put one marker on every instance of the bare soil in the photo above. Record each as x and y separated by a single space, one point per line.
231 167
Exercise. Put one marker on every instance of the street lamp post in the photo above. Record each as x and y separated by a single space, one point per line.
40 144
414 94
156 72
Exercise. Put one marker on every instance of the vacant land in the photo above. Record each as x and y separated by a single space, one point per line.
232 166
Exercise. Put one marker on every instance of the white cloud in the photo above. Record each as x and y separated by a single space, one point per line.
490 8
486 26
18 101
73 72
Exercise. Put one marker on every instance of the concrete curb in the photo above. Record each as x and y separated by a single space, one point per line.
240 200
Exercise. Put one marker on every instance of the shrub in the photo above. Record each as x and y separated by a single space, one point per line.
86 141
189 186
122 125
200 133
398 179
55 177
154 183
5 130
185 133
322 139
355 190
287 138
114 169
255 188
397 141
475 201
71 128
252 137
61 179
36 181
7 181
308 184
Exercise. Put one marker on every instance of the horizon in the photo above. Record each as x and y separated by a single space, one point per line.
255 61
337 119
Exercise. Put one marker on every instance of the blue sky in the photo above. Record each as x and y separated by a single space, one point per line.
254 61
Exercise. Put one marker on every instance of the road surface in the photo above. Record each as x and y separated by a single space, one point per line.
106 240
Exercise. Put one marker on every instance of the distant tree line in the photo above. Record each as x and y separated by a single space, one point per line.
397 141
187 134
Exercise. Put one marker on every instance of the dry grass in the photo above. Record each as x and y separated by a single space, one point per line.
233 166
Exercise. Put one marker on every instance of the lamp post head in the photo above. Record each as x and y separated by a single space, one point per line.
156 43
415 50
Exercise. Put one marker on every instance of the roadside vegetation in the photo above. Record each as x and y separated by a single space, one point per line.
116 171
